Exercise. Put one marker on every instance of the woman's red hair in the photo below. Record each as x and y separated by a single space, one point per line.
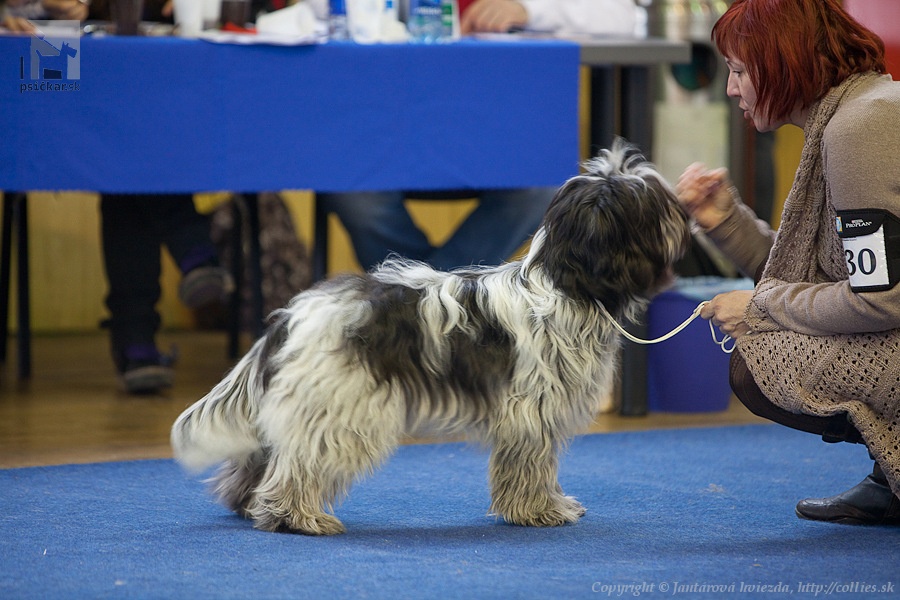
796 50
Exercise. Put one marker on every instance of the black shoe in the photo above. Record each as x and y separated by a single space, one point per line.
144 370
871 502
204 286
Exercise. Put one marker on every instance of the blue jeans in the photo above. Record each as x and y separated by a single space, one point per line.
379 224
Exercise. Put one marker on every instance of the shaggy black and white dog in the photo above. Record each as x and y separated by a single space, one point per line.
517 356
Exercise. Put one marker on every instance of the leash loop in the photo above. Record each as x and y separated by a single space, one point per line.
721 343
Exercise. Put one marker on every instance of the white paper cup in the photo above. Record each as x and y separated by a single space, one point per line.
364 19
189 17
212 9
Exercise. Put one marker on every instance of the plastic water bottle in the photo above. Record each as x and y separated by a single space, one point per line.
337 20
450 19
392 10
426 20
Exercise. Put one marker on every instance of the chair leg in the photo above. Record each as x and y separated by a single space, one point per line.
237 273
634 373
246 213
254 256
15 224
24 288
5 263
320 243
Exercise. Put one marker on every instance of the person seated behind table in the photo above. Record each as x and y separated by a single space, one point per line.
378 222
15 14
134 228
817 340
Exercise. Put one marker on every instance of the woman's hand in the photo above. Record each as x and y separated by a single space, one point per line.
705 195
71 10
17 24
498 16
726 311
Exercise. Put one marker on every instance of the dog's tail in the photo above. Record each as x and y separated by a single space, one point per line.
220 426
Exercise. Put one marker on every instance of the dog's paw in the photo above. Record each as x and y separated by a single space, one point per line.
573 506
563 510
319 524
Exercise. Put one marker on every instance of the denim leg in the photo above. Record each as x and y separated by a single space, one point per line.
378 224
502 222
184 231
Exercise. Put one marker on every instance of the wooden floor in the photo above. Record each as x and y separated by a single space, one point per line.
72 412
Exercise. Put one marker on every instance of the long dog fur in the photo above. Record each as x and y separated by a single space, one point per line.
517 356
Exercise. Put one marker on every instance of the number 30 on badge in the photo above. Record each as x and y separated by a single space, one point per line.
871 240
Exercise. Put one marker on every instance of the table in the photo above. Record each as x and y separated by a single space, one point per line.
165 114
174 115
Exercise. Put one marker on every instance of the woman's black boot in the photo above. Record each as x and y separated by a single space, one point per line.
871 502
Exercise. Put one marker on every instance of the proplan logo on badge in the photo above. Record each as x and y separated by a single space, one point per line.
53 63
853 224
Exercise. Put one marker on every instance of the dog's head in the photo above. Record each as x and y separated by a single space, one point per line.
613 233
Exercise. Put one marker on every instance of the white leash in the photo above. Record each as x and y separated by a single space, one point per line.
720 343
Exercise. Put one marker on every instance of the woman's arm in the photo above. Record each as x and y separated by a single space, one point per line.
862 170
598 17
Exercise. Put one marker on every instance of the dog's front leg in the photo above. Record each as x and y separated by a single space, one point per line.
524 485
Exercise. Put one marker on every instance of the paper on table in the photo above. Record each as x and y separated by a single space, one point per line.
370 23
270 39
292 26
296 20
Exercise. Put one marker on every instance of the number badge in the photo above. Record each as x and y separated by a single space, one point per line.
871 240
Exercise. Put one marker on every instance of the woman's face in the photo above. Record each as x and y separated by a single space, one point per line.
739 86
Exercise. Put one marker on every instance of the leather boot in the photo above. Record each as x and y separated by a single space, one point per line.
871 502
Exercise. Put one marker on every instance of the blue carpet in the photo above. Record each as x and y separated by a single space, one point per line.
686 511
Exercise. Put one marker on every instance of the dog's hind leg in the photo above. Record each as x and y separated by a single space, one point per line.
291 499
303 482
524 486
236 481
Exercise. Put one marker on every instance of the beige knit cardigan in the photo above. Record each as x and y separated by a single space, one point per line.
816 347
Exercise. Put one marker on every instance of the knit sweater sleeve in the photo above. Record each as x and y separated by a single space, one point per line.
744 238
861 151
599 17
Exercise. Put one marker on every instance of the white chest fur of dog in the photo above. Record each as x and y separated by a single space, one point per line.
517 356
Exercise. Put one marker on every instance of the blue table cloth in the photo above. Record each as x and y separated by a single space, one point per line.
163 114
